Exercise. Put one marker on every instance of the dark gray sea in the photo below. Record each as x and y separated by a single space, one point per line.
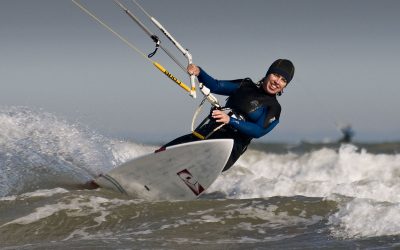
277 196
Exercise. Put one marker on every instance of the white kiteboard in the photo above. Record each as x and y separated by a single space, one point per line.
180 172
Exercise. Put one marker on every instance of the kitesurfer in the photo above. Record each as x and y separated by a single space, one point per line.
347 132
253 107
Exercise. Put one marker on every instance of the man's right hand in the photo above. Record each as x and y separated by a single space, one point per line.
192 69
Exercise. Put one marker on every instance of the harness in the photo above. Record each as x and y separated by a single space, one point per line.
246 99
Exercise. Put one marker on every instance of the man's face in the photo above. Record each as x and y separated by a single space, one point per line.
274 83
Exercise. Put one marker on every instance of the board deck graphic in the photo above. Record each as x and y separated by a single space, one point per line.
191 182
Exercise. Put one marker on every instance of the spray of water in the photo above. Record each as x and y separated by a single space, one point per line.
40 150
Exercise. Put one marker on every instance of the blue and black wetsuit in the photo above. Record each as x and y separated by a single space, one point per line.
255 114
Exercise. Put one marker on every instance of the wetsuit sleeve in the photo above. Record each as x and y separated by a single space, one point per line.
260 127
220 87
251 129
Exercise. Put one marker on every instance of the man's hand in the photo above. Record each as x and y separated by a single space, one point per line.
193 70
220 116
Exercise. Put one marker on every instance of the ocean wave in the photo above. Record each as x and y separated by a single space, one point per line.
320 173
371 183
39 150
43 159
88 216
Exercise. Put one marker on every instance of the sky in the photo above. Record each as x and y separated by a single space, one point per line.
55 58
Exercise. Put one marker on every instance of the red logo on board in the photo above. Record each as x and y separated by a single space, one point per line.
191 182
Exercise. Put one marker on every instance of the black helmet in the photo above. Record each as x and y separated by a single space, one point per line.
282 67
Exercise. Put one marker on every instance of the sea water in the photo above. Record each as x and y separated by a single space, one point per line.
277 196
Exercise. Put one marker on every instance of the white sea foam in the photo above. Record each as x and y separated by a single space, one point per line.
372 181
74 207
77 207
37 193
316 174
270 214
366 218
124 151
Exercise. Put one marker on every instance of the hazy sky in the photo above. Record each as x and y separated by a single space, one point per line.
55 57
